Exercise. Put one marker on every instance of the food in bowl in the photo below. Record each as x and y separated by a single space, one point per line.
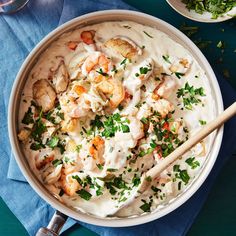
215 7
104 104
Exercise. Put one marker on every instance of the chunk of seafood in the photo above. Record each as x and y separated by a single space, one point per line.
51 175
124 46
165 88
96 149
136 128
68 183
113 90
163 107
88 37
61 78
44 94
24 135
42 160
181 65
96 61
69 124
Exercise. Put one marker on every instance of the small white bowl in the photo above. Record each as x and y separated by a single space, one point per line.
206 17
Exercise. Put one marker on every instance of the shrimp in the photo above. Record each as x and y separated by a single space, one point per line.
44 94
136 128
163 106
61 78
113 90
41 162
97 148
165 88
96 61
181 65
124 46
68 183
88 37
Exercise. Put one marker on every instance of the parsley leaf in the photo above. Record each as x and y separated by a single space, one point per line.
191 162
53 142
190 95
57 162
28 117
166 58
84 194
146 207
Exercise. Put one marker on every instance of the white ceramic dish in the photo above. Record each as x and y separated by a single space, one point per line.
180 7
81 21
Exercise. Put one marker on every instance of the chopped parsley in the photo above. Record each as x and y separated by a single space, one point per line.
57 162
53 142
28 117
150 36
215 7
190 95
166 58
136 180
84 194
146 207
192 162
38 129
155 189
113 124
112 169
181 174
100 71
202 122
179 75
99 166
220 44
78 147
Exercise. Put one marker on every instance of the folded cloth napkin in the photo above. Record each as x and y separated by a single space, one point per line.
19 34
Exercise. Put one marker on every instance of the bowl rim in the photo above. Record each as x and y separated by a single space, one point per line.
38 187
190 16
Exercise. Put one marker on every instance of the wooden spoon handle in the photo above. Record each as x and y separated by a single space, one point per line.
220 120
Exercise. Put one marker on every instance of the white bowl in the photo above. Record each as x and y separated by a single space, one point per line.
81 21
180 7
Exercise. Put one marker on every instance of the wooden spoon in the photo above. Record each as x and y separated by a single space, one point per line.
177 153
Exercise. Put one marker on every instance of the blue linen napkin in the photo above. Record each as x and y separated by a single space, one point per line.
18 35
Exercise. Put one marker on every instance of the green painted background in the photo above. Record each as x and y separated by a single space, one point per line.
218 216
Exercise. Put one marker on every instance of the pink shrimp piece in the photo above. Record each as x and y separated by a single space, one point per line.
88 37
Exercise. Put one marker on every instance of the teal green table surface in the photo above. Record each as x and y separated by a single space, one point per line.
218 214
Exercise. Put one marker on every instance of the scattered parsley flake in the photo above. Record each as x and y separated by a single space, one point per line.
147 34
84 194
166 58
202 122
192 163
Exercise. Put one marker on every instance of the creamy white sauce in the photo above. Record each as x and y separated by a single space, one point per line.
118 149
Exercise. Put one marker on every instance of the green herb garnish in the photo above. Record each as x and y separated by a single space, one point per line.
215 7
146 207
190 95
84 194
57 162
28 117
202 122
147 34
166 58
53 142
191 162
